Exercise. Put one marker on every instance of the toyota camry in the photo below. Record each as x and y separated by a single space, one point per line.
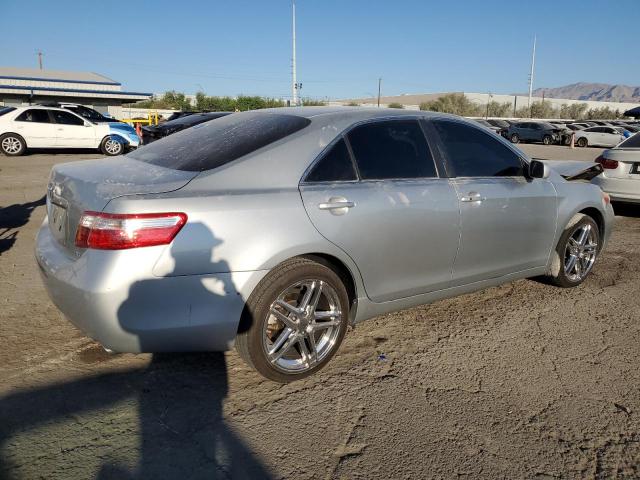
275 230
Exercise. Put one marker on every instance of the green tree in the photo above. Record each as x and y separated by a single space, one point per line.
496 109
604 113
395 105
574 111
456 103
353 104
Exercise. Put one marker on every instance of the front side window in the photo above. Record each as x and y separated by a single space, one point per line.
334 166
34 116
392 149
471 152
66 118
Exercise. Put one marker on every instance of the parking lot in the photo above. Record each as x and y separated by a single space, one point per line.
519 381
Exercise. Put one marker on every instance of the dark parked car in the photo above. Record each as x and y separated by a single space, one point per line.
155 132
534 132
503 125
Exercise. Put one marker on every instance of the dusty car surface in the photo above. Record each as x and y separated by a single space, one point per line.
276 229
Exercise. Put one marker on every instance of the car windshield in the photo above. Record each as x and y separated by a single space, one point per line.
88 113
546 125
213 144
631 142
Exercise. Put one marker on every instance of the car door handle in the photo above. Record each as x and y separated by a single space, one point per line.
473 197
334 204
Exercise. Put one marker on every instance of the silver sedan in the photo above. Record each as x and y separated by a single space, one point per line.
277 229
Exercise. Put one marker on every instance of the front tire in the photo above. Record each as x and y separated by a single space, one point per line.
111 147
294 321
576 252
515 138
582 142
12 145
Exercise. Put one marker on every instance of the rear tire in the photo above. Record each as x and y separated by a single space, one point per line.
576 252
582 142
12 145
285 339
514 138
111 147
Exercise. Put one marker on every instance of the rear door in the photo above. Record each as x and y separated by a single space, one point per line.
376 194
72 131
508 221
36 127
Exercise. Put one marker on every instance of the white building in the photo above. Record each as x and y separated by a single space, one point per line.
26 86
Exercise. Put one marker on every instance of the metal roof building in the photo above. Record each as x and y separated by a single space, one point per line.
24 86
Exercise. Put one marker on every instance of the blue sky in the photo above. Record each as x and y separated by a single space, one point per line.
229 47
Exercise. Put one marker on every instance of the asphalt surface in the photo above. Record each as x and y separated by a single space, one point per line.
520 381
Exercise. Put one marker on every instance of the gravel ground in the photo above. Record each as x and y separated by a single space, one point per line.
519 381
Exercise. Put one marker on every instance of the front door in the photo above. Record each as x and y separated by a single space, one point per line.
72 131
508 221
391 214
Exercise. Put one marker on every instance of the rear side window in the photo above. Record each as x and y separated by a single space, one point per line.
334 166
5 110
471 152
35 116
213 144
391 149
66 118
631 142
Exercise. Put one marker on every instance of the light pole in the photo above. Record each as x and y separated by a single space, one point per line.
294 81
533 64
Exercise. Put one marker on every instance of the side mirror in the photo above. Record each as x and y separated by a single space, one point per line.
538 169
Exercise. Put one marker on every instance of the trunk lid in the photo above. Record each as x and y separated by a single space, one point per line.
89 185
628 162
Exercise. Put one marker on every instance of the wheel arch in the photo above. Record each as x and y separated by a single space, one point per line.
597 216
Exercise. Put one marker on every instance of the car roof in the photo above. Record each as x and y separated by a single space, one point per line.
364 112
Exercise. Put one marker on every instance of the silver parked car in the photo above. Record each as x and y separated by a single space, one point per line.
277 229
621 176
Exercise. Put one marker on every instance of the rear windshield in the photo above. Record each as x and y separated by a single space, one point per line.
4 110
213 144
631 142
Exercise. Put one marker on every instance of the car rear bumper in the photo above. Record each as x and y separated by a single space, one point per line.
128 309
619 189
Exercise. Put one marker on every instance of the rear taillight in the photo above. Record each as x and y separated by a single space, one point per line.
110 231
606 163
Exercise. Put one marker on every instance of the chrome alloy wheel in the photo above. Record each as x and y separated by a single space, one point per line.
11 145
580 253
113 147
302 326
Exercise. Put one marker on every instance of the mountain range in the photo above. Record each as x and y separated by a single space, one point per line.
592 91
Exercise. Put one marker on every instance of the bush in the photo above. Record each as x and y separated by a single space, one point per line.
395 105
455 103
353 104
307 102
495 109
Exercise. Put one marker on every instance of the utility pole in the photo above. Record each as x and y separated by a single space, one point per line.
379 89
40 59
294 81
533 64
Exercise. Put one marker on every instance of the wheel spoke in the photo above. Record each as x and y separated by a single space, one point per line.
284 349
578 264
306 299
284 319
582 239
314 348
327 314
304 351
320 325
284 335
569 266
315 297
590 248
288 307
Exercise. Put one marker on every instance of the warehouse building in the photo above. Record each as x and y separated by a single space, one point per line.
26 86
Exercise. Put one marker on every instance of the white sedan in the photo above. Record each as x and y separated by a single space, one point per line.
50 127
621 176
599 136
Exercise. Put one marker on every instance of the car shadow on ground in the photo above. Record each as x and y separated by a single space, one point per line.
626 209
62 151
13 217
181 432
